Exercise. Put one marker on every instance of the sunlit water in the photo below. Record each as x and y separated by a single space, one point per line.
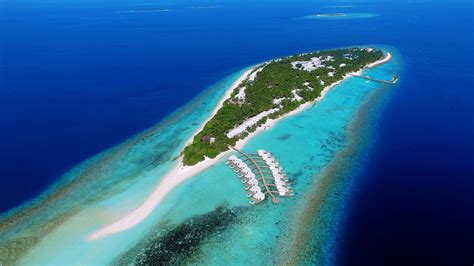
118 180
341 16
78 77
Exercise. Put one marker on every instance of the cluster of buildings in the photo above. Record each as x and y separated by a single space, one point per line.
261 175
247 177
280 179
249 123
313 63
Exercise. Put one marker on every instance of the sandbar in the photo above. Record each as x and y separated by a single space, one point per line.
180 173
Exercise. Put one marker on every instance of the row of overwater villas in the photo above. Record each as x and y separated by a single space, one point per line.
247 176
281 180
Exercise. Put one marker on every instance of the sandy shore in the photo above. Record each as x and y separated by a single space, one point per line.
174 177
181 173
222 100
387 58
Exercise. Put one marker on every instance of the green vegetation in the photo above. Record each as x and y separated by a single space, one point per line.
279 79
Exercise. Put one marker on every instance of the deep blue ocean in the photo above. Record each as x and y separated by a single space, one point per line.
78 77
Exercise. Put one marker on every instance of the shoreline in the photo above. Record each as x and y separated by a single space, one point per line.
220 103
381 62
180 173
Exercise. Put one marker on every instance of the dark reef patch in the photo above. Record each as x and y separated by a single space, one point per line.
296 125
284 137
181 243
293 177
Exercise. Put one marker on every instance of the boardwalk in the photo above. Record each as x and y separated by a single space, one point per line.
262 175
270 175
392 81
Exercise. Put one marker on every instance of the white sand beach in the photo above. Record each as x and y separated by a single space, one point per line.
181 173
387 58
174 177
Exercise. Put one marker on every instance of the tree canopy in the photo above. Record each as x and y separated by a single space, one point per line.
276 79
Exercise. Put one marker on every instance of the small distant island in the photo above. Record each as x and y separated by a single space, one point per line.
146 11
331 15
271 90
341 16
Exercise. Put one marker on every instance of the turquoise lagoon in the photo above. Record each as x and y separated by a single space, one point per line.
207 219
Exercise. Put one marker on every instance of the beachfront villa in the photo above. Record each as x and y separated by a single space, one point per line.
249 123
261 175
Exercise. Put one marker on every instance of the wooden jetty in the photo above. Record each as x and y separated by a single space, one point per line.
392 81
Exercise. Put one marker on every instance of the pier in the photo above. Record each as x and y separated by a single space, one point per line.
392 81
260 167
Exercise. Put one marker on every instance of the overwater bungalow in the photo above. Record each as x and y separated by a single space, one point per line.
263 175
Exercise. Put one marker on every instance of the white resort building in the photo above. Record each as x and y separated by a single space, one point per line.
261 175
249 123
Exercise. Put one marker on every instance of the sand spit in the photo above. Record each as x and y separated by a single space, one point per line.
181 173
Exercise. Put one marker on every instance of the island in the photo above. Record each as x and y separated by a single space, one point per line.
262 95
273 89
331 15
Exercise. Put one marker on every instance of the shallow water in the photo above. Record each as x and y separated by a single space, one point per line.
61 81
132 168
305 143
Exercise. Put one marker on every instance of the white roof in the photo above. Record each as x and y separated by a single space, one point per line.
255 188
259 196
253 182
249 122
